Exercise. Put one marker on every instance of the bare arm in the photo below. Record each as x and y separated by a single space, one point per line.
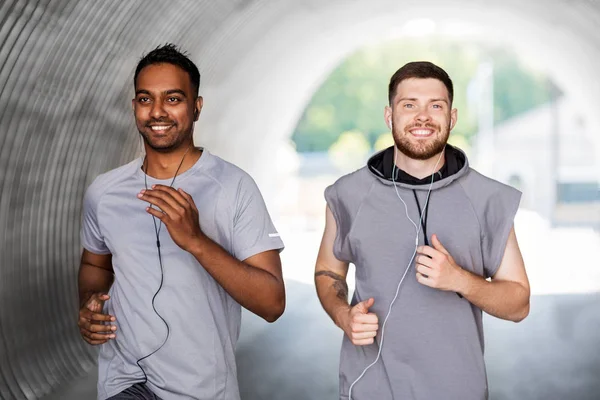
330 280
255 283
95 275
95 279
330 274
506 296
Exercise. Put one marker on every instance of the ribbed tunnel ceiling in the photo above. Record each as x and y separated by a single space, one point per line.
65 87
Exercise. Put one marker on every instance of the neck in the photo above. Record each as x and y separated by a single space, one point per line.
419 168
164 165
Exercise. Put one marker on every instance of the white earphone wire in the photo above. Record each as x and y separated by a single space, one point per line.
418 230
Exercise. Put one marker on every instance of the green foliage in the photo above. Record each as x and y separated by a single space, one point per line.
355 94
515 88
349 152
383 141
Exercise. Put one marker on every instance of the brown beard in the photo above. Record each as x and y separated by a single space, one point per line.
421 151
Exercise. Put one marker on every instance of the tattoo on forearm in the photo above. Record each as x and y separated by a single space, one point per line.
339 283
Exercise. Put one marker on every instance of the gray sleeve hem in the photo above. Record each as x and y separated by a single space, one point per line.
91 249
490 272
259 248
333 204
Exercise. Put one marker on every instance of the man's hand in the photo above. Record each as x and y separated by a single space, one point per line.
177 210
359 324
437 269
93 325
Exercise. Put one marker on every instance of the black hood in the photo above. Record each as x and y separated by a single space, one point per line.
382 164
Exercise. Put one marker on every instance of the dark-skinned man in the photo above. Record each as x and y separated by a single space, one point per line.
175 243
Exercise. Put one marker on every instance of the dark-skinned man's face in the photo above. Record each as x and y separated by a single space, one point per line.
165 106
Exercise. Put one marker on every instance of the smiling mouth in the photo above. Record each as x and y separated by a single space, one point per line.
160 128
421 132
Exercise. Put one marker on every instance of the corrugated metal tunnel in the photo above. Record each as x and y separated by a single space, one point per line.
66 70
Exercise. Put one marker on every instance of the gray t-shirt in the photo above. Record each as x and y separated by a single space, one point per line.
197 361
433 345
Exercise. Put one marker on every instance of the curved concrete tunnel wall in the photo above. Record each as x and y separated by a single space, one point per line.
65 86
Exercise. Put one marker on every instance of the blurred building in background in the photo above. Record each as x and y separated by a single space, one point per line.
560 180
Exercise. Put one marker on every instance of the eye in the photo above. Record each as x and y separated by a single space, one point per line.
438 106
409 105
173 99
143 99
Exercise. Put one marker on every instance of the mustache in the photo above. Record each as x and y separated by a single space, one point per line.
427 125
159 121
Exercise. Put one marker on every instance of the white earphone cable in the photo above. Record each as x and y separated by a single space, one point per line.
418 230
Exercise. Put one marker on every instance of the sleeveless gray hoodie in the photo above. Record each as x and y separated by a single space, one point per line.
433 347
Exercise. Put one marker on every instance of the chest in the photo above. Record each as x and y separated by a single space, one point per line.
130 231
383 234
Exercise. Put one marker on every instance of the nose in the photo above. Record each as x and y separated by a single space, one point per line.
423 116
158 110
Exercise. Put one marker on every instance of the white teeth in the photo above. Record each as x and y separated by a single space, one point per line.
160 127
421 132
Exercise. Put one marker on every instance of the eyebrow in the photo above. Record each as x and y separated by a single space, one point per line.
415 99
171 91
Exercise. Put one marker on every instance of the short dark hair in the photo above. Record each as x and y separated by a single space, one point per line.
170 54
422 70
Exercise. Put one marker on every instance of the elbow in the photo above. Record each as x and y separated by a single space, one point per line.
274 313
522 313
275 310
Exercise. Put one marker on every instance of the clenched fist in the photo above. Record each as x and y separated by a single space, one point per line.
437 269
359 324
95 326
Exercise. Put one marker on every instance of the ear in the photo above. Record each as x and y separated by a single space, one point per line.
198 109
387 116
453 118
133 105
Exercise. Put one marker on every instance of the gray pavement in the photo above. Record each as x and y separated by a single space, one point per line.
553 354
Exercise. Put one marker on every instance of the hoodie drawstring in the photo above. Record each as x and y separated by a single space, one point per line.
424 219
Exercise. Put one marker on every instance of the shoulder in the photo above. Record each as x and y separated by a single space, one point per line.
104 182
358 181
349 191
486 194
478 185
232 179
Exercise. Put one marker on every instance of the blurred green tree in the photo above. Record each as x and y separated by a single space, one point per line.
355 94
350 151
